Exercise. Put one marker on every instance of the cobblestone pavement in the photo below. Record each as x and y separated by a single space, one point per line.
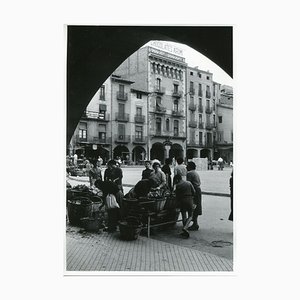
107 252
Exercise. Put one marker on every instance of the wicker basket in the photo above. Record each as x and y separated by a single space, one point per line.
91 224
130 228
79 208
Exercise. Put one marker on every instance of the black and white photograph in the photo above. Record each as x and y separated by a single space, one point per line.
149 148
149 156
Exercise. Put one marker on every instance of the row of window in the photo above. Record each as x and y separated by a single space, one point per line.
207 91
167 71
82 133
199 75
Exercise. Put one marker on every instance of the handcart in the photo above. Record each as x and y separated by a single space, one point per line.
151 211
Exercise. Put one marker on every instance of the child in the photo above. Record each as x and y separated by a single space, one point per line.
185 196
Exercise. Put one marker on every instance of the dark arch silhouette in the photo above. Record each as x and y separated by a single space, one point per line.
94 52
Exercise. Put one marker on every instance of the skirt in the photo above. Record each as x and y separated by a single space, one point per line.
198 202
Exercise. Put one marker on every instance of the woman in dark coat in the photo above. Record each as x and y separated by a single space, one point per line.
167 170
109 187
194 178
231 197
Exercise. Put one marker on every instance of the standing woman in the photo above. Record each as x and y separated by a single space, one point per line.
167 170
230 218
94 174
180 168
193 177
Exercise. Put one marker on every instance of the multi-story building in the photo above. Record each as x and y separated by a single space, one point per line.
155 106
202 96
224 139
162 75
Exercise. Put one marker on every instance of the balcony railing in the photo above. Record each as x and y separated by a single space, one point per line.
177 94
139 140
122 96
139 119
200 108
120 138
209 125
122 117
82 140
192 124
97 140
160 109
96 115
192 106
209 144
201 125
159 89
208 109
192 91
166 135
177 113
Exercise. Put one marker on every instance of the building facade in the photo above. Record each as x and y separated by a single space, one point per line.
224 140
162 76
201 97
154 106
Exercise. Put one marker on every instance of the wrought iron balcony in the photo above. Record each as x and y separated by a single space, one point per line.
209 144
122 96
192 143
200 108
104 141
120 138
208 109
139 119
177 94
192 124
201 125
160 109
159 89
82 140
177 113
209 125
139 140
192 106
192 91
122 117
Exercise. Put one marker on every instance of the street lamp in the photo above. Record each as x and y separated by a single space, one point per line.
148 124
186 127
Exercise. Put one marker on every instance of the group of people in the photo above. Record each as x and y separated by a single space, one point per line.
186 185
180 179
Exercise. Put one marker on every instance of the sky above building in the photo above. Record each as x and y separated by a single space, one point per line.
194 59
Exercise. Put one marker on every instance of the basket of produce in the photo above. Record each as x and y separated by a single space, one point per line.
130 228
91 224
171 202
159 200
79 208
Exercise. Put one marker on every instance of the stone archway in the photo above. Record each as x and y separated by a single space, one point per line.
90 63
122 152
138 154
157 152
176 151
191 153
205 153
